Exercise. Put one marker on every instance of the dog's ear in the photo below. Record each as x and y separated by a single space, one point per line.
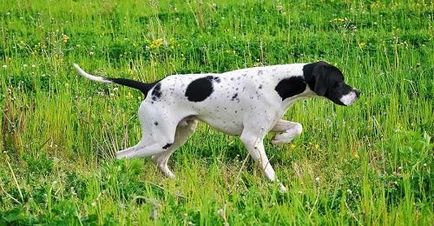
320 74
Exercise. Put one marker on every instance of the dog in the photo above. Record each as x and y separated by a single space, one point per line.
247 102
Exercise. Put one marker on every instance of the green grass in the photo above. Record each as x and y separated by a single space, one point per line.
368 164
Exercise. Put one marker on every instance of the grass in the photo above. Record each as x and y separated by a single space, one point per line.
368 164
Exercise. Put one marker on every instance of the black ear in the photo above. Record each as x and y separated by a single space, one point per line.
319 74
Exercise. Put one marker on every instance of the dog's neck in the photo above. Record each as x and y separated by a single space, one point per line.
291 100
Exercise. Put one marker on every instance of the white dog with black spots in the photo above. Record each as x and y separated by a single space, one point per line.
248 103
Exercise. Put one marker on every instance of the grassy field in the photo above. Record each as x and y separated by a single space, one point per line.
368 164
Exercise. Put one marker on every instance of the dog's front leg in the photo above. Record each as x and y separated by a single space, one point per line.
287 131
255 146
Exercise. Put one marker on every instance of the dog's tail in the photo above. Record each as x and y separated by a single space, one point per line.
143 87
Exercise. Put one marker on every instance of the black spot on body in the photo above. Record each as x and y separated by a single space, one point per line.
167 145
156 123
260 87
156 92
199 89
234 96
289 87
217 79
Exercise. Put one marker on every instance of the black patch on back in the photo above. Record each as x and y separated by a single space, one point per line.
156 92
167 145
199 89
289 87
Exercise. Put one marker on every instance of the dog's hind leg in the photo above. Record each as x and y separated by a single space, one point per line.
129 151
161 141
142 150
183 131
286 131
158 133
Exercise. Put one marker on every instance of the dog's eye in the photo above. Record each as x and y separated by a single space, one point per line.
337 84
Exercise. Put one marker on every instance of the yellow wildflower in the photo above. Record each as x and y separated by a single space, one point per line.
155 44
65 38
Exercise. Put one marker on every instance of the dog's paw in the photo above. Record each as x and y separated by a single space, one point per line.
121 155
169 174
283 138
282 188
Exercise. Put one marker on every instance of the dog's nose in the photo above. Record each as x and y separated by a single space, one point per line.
357 92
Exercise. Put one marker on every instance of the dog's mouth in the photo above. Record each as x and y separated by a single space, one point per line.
350 98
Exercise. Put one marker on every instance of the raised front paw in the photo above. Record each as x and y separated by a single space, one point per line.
282 138
288 135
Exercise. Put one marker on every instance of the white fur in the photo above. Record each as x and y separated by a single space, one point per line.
288 131
91 77
349 98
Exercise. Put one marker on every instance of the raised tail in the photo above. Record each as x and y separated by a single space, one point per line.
143 87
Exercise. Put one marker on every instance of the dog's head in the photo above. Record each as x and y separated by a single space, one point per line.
328 81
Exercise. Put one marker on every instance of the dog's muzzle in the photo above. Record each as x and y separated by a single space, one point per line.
350 98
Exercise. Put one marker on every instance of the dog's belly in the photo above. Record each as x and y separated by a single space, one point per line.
231 126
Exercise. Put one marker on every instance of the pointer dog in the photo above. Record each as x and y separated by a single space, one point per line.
247 102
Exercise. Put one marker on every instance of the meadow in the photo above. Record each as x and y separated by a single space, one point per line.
368 164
